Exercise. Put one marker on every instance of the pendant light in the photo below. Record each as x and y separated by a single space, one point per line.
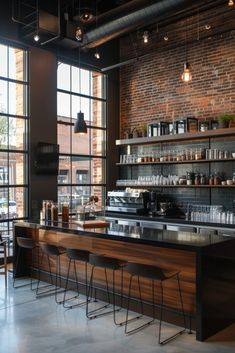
36 37
186 76
97 54
80 124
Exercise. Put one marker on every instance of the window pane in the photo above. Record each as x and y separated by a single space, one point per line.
64 169
80 195
98 85
75 80
3 168
17 104
97 171
17 134
64 193
98 142
17 162
100 192
16 64
3 61
63 76
80 165
85 82
12 202
63 104
17 202
63 135
83 104
99 113
3 132
80 143
3 96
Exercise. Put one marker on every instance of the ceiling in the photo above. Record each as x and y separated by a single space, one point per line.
105 20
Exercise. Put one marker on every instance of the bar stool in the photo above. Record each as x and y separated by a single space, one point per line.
3 250
51 252
106 263
74 256
28 245
153 273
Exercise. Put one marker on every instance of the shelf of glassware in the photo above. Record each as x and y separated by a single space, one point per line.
178 162
136 185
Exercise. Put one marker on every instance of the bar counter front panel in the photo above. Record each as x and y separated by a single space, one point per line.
206 263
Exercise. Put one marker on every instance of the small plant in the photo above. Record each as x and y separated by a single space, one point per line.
225 120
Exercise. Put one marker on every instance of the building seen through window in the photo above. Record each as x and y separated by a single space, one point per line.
13 136
82 157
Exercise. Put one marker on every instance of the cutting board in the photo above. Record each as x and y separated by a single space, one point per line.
92 224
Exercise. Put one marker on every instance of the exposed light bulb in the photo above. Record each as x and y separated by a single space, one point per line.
186 75
207 26
231 3
166 38
79 34
36 38
146 36
97 55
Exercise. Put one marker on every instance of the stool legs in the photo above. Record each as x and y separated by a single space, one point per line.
77 285
31 270
161 312
162 342
52 289
95 313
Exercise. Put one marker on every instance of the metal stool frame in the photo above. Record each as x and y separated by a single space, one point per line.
29 245
49 250
3 244
75 255
135 270
114 265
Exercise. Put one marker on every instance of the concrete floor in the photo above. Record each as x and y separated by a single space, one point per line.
29 325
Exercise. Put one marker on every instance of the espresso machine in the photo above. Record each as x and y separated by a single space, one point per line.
131 201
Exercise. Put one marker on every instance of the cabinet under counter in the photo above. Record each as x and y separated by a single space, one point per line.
204 261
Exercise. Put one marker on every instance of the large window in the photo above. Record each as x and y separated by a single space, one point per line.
13 136
82 157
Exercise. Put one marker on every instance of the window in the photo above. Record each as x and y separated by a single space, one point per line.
13 136
82 158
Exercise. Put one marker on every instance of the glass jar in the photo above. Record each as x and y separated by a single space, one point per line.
54 213
211 179
202 179
197 180
217 179
65 212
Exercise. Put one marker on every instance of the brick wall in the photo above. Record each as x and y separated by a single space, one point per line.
151 88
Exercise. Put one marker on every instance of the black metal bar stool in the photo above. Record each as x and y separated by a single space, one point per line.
28 245
51 252
106 263
154 274
75 255
3 250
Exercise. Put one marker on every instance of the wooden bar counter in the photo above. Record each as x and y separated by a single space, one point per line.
206 264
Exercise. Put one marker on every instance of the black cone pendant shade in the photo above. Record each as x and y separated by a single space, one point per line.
80 125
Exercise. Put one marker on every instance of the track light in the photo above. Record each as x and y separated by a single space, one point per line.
186 75
36 38
231 3
146 36
79 34
97 54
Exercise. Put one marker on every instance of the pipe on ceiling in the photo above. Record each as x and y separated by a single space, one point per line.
130 21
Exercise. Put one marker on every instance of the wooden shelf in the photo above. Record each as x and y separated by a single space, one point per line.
180 162
176 186
179 137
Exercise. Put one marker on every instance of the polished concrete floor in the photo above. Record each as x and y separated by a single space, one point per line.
29 325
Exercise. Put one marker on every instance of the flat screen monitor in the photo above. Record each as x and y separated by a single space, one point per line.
47 158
